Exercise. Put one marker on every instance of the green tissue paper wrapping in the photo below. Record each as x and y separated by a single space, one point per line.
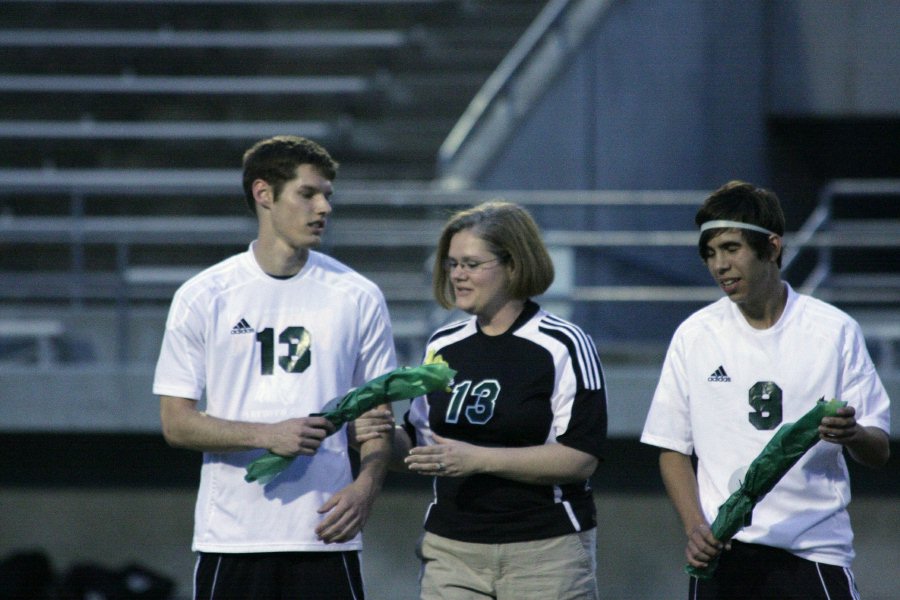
785 448
400 384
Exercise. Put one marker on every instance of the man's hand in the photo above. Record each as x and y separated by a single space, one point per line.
298 437
372 424
841 428
868 446
702 546
346 513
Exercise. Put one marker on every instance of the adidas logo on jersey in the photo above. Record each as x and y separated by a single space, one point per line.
719 375
242 327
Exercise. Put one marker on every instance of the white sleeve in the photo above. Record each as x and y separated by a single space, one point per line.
377 354
181 368
668 423
862 387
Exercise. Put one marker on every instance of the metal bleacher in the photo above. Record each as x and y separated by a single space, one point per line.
144 84
124 120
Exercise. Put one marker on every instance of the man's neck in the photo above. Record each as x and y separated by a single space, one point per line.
765 313
279 261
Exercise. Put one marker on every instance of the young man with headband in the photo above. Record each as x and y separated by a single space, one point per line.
734 373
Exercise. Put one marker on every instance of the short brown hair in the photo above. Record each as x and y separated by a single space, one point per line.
512 235
275 161
744 202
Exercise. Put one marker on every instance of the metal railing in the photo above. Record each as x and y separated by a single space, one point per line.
185 84
170 38
815 235
125 390
386 3
90 129
513 88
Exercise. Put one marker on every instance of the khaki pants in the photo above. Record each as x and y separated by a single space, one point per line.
560 568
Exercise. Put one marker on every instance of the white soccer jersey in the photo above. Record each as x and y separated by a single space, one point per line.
263 349
724 390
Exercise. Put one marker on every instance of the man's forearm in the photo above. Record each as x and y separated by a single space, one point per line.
374 459
870 448
186 427
681 486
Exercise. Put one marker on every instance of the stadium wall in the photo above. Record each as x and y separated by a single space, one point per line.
676 95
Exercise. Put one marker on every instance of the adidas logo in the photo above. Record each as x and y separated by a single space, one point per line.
242 327
719 375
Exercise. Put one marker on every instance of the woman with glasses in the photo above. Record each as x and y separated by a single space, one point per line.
512 443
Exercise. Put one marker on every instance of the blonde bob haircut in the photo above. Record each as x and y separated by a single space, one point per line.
511 235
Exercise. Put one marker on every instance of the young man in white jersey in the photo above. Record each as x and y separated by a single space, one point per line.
266 338
734 372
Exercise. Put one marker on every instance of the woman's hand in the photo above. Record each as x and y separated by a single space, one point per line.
446 458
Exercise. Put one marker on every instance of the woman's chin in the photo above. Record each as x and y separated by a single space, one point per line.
466 307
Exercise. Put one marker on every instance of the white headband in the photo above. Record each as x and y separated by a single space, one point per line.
734 225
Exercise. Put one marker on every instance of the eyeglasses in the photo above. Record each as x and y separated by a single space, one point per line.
467 266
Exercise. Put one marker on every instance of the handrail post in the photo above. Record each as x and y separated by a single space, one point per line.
123 309
827 202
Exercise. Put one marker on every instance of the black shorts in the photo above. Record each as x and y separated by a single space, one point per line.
753 571
279 576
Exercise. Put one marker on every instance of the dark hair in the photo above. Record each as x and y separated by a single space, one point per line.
746 203
512 235
275 161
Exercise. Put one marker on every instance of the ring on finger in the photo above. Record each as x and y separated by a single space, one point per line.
440 466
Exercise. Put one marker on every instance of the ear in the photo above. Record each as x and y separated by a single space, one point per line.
262 194
776 247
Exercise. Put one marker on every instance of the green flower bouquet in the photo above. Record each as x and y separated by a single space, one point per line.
400 384
785 448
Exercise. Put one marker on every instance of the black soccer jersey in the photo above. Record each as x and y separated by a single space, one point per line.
539 383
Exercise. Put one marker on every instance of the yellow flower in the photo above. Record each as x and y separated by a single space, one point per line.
434 359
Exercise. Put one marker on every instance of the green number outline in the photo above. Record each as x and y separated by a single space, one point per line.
479 404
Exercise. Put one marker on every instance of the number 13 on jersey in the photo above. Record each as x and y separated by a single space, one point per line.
475 402
297 358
